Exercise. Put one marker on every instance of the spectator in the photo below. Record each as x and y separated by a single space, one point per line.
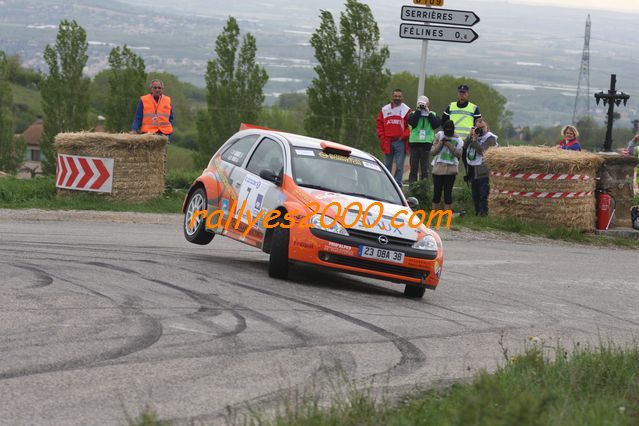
447 150
570 140
480 140
463 113
154 113
633 151
633 145
393 133
423 123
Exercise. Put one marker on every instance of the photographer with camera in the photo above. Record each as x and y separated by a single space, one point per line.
422 123
447 150
479 140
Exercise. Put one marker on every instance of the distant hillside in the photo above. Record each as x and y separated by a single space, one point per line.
531 54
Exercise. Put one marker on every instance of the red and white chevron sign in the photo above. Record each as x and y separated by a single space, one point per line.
84 173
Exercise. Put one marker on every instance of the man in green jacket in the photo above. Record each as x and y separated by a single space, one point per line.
423 123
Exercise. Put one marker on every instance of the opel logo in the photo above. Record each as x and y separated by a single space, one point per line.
383 239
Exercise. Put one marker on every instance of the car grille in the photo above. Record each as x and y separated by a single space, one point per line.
373 237
372 265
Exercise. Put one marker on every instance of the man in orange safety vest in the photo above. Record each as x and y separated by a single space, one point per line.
154 113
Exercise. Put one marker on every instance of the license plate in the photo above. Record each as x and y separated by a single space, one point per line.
381 254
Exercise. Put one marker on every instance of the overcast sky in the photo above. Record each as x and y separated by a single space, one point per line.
619 5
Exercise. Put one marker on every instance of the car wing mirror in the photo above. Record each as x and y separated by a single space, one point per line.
271 176
413 203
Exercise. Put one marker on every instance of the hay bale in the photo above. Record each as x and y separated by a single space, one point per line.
523 197
138 166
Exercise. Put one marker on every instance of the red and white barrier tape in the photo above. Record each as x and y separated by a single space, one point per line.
541 176
532 194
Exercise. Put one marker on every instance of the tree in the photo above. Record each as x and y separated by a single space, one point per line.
65 92
442 90
127 82
349 89
235 85
292 101
11 148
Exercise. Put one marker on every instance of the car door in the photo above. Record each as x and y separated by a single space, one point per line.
257 196
230 174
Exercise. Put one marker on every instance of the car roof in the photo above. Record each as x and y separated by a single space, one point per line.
300 141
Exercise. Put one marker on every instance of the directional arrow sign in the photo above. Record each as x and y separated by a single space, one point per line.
439 16
86 173
438 33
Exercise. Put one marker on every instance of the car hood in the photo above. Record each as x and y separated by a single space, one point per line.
384 226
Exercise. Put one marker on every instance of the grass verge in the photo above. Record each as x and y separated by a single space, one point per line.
40 193
543 386
536 229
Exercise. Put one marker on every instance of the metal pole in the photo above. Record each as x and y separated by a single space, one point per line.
422 69
611 107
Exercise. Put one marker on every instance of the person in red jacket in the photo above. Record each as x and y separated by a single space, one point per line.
393 133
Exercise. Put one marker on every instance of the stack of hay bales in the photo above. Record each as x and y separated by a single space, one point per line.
138 161
561 196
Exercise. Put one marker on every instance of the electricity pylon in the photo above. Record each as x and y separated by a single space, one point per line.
582 99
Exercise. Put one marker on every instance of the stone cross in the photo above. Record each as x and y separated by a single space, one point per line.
611 98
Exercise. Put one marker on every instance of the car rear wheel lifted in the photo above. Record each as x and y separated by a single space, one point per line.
197 234
414 291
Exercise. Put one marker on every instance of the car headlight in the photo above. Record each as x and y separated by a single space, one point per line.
427 242
336 227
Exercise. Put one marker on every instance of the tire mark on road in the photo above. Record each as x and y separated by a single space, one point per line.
42 278
411 356
151 333
201 299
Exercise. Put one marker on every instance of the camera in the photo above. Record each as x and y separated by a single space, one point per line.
479 131
422 107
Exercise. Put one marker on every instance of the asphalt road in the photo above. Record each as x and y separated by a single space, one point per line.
100 319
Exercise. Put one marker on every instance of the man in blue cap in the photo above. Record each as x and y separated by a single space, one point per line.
463 113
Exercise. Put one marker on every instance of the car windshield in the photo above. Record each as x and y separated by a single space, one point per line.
313 168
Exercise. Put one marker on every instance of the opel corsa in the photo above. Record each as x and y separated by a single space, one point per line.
317 202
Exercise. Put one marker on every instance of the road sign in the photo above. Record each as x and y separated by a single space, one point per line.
436 3
439 16
439 33
84 173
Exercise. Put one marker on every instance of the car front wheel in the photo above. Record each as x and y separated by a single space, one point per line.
414 291
278 260
196 234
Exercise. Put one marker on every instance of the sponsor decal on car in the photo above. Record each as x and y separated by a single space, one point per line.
370 165
303 244
338 248
337 157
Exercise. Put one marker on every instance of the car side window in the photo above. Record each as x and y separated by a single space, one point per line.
267 156
237 152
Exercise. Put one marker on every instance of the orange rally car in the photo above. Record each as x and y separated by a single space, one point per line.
304 200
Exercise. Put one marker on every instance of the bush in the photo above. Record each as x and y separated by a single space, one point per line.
13 190
463 196
423 191
180 180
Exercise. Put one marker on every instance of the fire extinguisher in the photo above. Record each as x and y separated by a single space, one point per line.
605 209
